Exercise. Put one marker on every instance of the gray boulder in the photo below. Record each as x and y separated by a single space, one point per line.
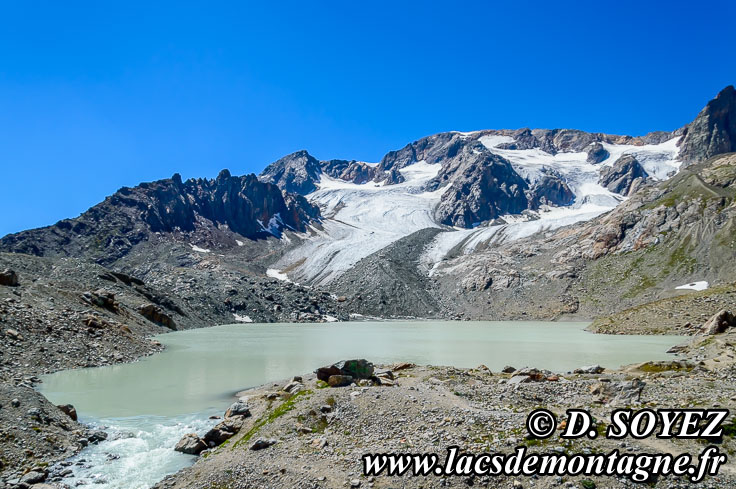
191 444
262 443
238 408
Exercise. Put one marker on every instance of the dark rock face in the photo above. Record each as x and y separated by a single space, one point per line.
597 153
713 131
108 231
624 177
9 278
484 186
157 315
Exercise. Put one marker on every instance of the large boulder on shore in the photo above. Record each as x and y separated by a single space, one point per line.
191 444
357 369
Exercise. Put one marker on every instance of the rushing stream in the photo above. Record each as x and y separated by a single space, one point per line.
148 405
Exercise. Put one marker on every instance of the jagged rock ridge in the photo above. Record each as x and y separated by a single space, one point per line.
106 232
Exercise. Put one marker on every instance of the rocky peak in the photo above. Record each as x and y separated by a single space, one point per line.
433 149
713 131
296 173
483 186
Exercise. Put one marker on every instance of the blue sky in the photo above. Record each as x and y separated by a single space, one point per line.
94 97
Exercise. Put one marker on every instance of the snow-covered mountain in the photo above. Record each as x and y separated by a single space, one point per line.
482 188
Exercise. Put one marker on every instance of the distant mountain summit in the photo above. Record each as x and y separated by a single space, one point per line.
713 131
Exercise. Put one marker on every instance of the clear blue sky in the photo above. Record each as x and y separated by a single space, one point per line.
94 96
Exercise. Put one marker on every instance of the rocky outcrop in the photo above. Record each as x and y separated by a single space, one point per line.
109 230
432 149
483 186
353 171
713 131
156 314
624 177
596 153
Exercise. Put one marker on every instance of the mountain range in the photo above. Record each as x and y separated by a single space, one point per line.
493 224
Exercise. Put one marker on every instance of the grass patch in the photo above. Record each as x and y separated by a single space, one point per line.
657 367
272 416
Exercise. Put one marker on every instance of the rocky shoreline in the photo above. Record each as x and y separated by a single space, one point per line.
303 433
311 430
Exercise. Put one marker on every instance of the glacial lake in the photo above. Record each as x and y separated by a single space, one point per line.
148 405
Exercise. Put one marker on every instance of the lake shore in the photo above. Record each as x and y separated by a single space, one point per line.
315 436
66 441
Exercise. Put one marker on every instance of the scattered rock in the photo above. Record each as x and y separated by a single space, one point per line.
101 298
262 443
519 379
11 333
33 477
